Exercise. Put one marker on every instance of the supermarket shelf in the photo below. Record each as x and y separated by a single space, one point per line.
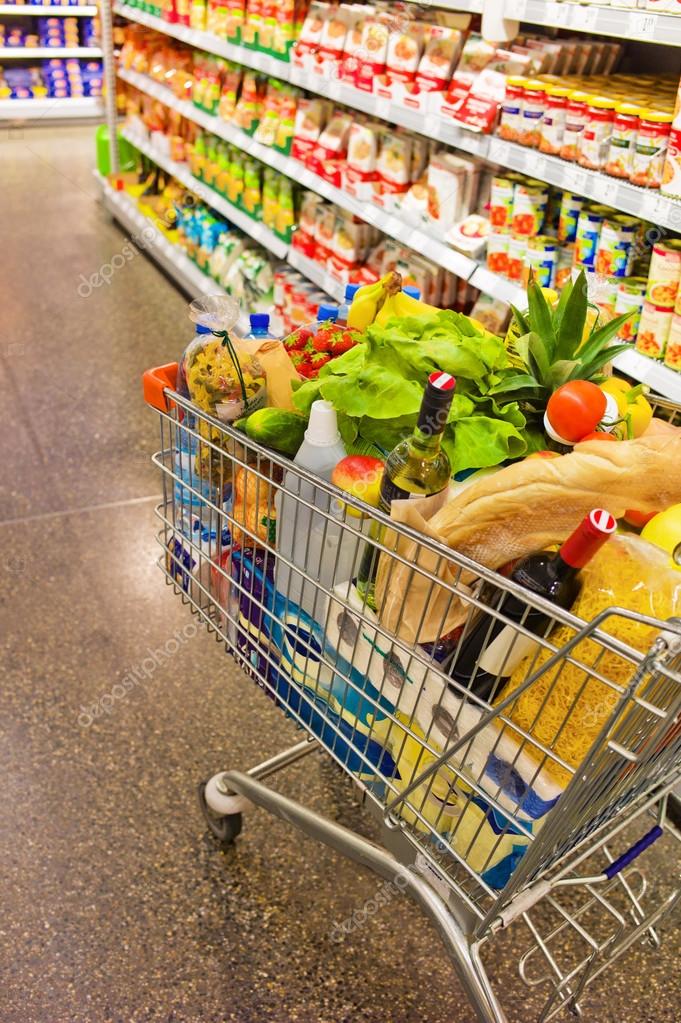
317 274
646 26
639 202
208 42
152 240
46 52
437 251
647 371
86 10
233 214
49 109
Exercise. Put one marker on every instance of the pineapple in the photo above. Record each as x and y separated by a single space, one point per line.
556 345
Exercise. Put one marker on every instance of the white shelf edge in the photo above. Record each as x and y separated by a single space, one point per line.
50 109
47 52
34 10
648 26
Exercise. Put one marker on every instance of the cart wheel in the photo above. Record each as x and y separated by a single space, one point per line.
225 828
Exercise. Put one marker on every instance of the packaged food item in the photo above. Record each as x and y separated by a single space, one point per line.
446 189
498 242
671 174
564 264
664 274
374 49
311 116
511 109
405 45
534 105
393 165
594 140
469 236
334 30
629 299
530 200
492 313
540 261
517 251
501 201
570 207
653 330
217 383
615 245
576 118
622 140
553 121
672 354
651 148
441 50
587 235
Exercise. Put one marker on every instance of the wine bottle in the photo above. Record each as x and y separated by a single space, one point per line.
490 650
417 467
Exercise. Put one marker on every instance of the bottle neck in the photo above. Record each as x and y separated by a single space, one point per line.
425 443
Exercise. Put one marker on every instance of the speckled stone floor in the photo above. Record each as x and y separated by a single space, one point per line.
116 906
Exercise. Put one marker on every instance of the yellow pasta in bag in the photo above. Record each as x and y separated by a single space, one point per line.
566 708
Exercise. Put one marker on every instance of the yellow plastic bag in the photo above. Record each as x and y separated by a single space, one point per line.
566 708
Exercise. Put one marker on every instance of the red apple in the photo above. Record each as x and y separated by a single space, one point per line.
360 476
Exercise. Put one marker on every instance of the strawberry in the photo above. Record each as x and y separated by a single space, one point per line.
319 359
298 358
320 342
307 370
296 342
343 343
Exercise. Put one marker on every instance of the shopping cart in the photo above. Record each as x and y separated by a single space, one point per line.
484 823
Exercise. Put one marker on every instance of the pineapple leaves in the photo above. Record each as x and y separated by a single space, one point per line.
521 320
599 338
586 371
562 371
560 308
572 320
540 362
541 319
519 382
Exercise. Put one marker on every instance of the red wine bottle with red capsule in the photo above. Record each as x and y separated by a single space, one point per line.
491 650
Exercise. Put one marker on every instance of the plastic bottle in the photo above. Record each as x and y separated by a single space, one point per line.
260 326
344 308
328 312
412 291
309 540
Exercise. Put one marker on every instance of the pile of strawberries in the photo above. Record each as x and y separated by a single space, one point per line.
311 349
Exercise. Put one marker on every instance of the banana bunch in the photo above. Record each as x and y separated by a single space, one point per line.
370 299
403 305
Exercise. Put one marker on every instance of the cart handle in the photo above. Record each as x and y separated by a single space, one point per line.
628 857
155 382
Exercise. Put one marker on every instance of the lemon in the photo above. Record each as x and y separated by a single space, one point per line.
664 530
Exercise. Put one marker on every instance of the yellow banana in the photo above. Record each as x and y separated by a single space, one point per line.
370 299
404 305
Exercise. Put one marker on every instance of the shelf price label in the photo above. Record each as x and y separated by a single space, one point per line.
515 9
558 14
604 189
584 18
574 180
642 24
499 151
652 207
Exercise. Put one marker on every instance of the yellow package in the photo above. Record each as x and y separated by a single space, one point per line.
566 708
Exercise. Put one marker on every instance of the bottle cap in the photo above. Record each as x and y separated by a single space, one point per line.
200 329
436 403
411 291
327 312
260 321
350 291
588 537
322 428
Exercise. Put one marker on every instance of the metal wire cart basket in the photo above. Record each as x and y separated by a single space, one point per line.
483 815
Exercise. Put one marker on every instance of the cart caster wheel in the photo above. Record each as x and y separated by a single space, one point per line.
224 827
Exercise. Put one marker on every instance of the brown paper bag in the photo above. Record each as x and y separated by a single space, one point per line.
528 506
279 370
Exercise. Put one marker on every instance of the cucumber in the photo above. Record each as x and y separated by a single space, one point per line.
277 428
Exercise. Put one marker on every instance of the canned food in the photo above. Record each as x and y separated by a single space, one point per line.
615 245
566 257
671 173
592 150
529 208
501 202
622 140
587 235
540 260
605 294
651 148
497 252
517 250
534 105
575 119
672 353
553 121
511 113
571 206
653 330
629 299
664 274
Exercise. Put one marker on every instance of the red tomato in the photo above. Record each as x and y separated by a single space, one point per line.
576 409
598 435
638 519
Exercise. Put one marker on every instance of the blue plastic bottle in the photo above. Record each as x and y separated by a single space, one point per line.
344 308
412 291
327 312
260 326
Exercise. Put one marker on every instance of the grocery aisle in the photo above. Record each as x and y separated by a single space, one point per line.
116 906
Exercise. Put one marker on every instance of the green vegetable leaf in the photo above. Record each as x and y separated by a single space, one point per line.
560 308
540 318
561 372
588 371
520 382
600 337
573 318
306 394
478 442
539 356
521 320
